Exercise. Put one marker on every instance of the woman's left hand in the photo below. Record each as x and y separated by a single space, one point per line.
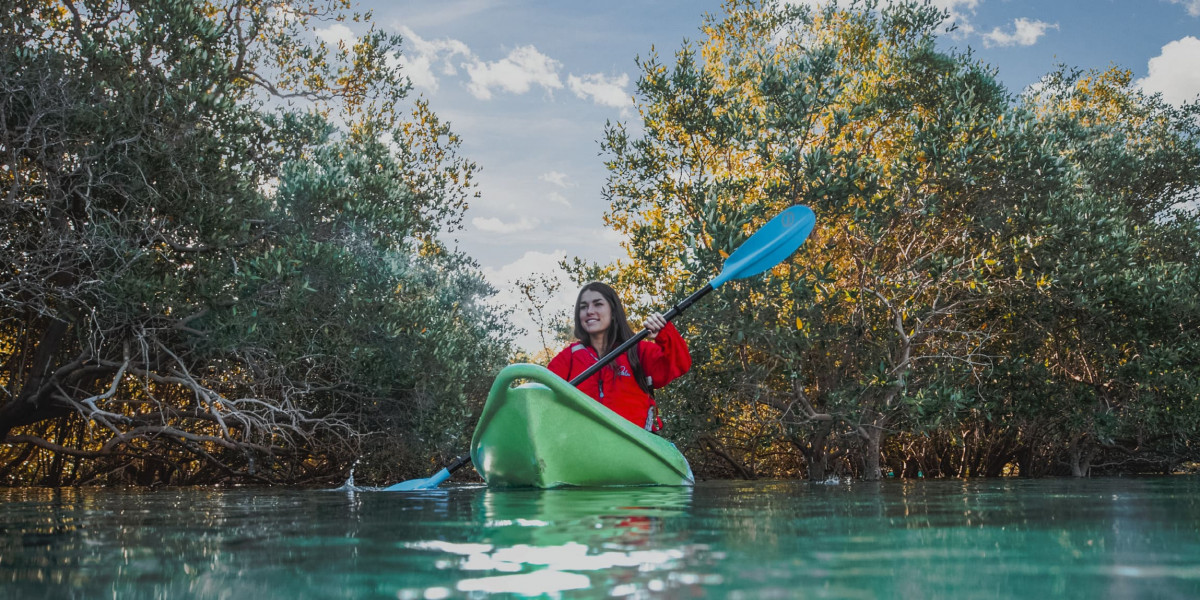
655 323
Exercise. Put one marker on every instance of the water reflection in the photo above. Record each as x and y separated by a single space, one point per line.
550 541
1010 538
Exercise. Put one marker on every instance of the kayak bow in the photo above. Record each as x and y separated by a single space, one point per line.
546 433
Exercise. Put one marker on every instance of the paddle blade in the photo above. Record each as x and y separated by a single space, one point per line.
420 484
774 242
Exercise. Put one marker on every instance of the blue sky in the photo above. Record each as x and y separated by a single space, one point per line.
529 86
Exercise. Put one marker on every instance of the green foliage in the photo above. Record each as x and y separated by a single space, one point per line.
965 241
1105 323
204 281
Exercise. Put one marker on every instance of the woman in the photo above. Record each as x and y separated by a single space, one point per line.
625 384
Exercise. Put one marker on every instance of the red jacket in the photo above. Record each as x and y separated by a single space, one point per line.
663 360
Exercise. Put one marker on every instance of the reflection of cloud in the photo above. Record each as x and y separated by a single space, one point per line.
494 225
1174 73
558 560
516 73
545 581
451 547
602 90
559 179
1025 33
577 557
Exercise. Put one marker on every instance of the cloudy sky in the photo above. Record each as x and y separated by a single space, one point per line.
530 84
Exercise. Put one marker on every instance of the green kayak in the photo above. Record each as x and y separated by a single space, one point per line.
545 433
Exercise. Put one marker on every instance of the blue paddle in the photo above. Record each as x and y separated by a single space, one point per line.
769 246
430 482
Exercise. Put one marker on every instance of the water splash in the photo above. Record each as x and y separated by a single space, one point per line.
349 486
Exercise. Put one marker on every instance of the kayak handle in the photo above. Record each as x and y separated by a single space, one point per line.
641 335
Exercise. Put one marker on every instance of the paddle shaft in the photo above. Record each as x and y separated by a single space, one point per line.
458 463
641 335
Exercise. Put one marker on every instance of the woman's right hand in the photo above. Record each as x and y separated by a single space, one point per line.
655 323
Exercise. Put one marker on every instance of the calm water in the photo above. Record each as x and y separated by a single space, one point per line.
1105 538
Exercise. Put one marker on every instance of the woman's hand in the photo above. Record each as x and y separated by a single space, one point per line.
654 323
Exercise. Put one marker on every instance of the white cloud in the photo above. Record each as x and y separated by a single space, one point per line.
336 33
602 90
1175 73
959 10
530 264
555 177
494 225
516 73
609 235
953 5
1035 89
444 49
558 198
1193 6
419 71
1025 33
422 56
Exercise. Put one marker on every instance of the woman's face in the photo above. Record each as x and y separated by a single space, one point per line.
594 312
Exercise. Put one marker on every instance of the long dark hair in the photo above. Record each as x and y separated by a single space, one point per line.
618 329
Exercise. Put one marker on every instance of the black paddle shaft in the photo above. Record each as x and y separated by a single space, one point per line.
670 314
458 463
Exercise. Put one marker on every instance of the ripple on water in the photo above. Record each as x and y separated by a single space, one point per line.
977 539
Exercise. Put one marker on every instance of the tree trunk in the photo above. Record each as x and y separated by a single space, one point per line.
712 445
871 470
1024 458
912 467
946 461
816 452
31 405
1081 454
54 477
14 463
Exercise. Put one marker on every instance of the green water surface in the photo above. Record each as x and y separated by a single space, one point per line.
1101 538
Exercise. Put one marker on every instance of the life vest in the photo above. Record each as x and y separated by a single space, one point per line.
663 360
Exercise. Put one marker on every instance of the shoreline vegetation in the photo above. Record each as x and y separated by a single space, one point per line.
221 260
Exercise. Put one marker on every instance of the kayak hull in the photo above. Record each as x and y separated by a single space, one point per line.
547 434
